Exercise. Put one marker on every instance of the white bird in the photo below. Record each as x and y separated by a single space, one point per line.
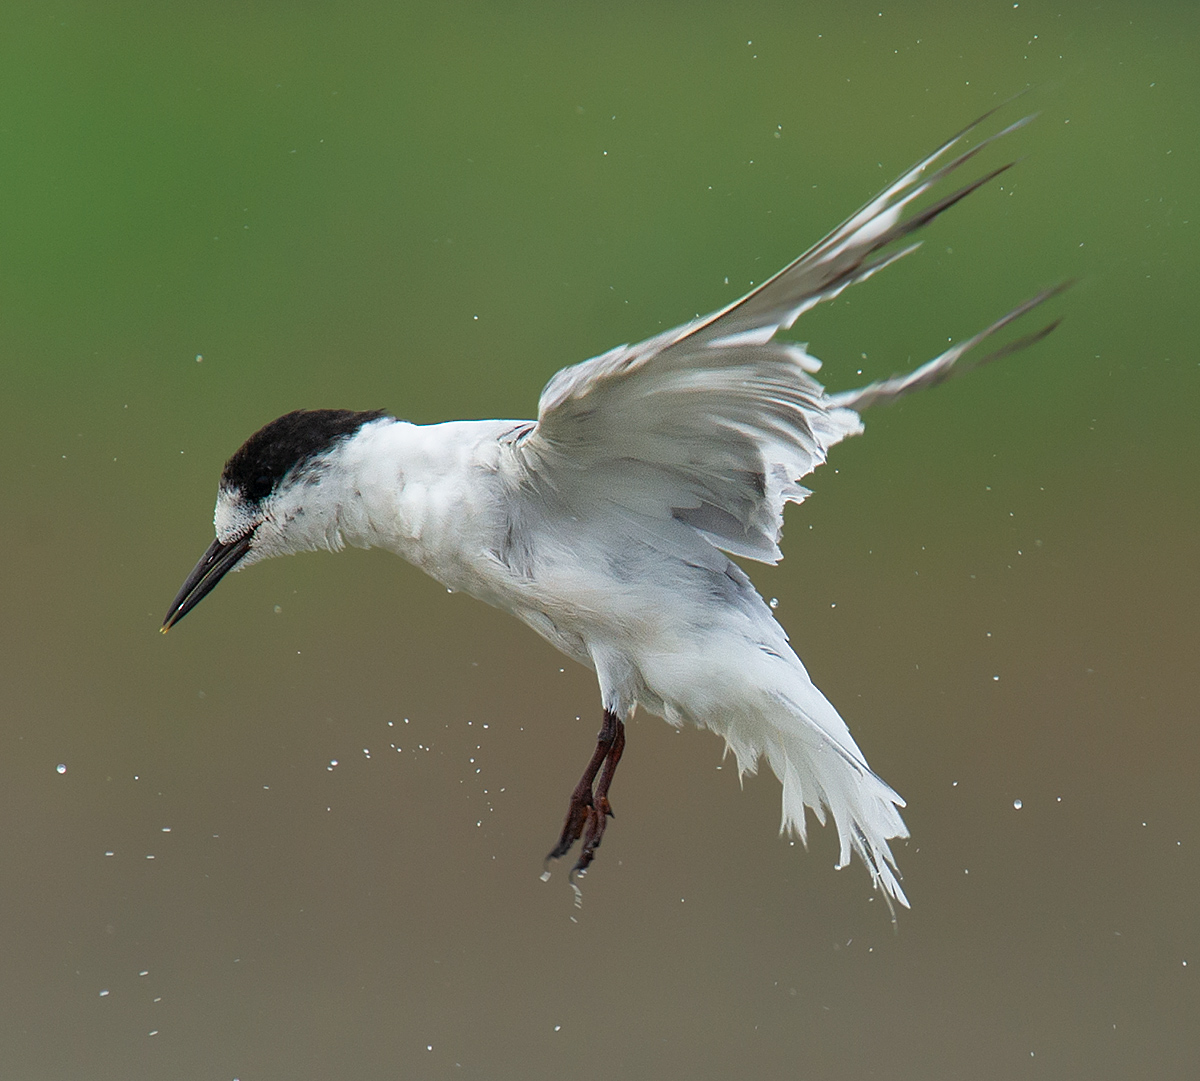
607 524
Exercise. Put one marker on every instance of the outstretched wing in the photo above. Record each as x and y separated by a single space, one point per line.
712 424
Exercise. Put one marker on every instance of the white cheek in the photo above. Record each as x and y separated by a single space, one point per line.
268 541
231 518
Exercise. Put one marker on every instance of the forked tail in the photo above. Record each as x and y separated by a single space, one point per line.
820 766
783 717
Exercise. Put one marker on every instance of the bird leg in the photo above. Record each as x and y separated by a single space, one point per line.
602 810
588 809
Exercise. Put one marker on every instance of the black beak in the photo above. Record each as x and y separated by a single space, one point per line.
218 561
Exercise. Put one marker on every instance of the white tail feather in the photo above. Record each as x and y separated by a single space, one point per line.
761 700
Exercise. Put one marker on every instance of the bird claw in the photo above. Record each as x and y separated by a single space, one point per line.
589 812
577 816
597 819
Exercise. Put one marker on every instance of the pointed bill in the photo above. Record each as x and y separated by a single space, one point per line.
218 561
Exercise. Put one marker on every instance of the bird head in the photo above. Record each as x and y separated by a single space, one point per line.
271 500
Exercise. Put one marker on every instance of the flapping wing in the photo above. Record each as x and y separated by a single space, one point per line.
712 424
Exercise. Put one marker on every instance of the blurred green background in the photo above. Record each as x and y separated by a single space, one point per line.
211 214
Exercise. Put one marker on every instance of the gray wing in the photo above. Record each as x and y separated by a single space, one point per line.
712 424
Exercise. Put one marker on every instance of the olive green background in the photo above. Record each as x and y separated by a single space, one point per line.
214 213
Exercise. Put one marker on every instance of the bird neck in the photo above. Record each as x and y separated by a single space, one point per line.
400 486
365 492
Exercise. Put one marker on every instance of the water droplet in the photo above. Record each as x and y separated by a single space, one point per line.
1017 805
774 603
60 768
